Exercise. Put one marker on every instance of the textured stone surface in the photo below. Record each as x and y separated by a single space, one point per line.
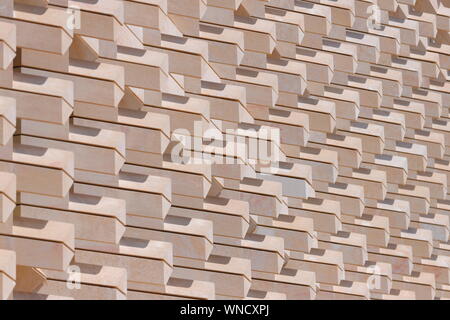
132 137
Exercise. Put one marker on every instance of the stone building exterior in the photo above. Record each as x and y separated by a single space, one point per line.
224 149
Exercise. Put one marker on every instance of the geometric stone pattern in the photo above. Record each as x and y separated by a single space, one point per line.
124 130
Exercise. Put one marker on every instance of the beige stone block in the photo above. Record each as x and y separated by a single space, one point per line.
325 213
177 289
230 275
327 265
352 245
348 290
7 273
266 253
145 261
133 139
293 283
40 243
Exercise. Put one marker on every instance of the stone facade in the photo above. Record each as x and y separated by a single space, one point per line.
224 149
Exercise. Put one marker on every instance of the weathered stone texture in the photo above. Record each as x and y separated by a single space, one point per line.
132 136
